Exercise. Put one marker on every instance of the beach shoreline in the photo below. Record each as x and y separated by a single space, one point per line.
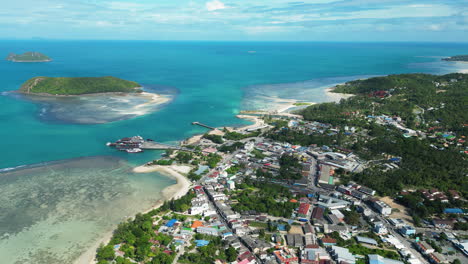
281 106
336 97
174 191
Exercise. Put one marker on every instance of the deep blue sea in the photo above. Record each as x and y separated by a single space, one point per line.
210 81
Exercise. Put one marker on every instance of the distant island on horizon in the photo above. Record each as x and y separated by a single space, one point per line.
60 86
28 57
463 58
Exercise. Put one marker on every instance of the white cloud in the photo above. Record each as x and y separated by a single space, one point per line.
215 5
129 6
254 30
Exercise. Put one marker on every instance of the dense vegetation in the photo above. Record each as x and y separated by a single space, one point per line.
402 95
135 236
238 136
263 197
214 138
78 86
422 208
457 58
290 167
28 57
423 102
208 254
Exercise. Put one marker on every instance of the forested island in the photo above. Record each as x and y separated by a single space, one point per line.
78 85
457 58
28 57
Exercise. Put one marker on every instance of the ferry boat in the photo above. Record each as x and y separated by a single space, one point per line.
134 150
128 144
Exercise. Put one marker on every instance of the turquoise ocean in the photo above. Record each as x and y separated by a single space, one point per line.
62 188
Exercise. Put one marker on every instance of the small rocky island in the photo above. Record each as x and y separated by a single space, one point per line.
78 86
28 57
463 58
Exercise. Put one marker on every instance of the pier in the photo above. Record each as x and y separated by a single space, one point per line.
203 125
137 144
272 114
153 145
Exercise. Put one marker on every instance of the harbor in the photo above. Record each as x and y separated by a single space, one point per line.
137 144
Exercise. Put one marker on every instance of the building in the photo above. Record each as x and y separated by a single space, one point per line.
424 248
436 258
332 219
444 224
376 259
326 175
367 191
304 210
255 245
307 229
207 231
328 241
340 254
328 202
199 208
380 229
295 240
286 256
317 213
455 195
313 254
338 214
397 222
382 207
171 223
463 246
453 211
407 230
367 240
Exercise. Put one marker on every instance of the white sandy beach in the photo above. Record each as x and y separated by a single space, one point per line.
280 106
336 97
256 119
171 192
153 99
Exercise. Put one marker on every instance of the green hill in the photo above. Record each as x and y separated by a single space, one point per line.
78 86
457 58
28 57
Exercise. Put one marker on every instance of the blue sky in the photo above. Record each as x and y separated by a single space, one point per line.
310 20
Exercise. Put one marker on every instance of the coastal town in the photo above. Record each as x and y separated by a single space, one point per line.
250 198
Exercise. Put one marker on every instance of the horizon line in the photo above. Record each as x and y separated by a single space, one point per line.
240 41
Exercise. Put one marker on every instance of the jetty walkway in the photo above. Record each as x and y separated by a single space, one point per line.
203 125
153 145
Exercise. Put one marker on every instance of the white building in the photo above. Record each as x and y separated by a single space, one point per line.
207 231
380 229
382 207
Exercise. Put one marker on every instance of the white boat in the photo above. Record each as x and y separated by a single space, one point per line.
134 150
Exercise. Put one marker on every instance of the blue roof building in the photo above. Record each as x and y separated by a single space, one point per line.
453 211
171 222
202 243
281 227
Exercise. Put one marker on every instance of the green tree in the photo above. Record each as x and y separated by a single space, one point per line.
231 254
105 253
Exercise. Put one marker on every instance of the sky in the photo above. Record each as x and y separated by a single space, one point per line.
240 20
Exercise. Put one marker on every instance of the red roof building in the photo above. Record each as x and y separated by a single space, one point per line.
304 210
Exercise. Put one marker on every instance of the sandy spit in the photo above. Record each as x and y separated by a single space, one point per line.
171 192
